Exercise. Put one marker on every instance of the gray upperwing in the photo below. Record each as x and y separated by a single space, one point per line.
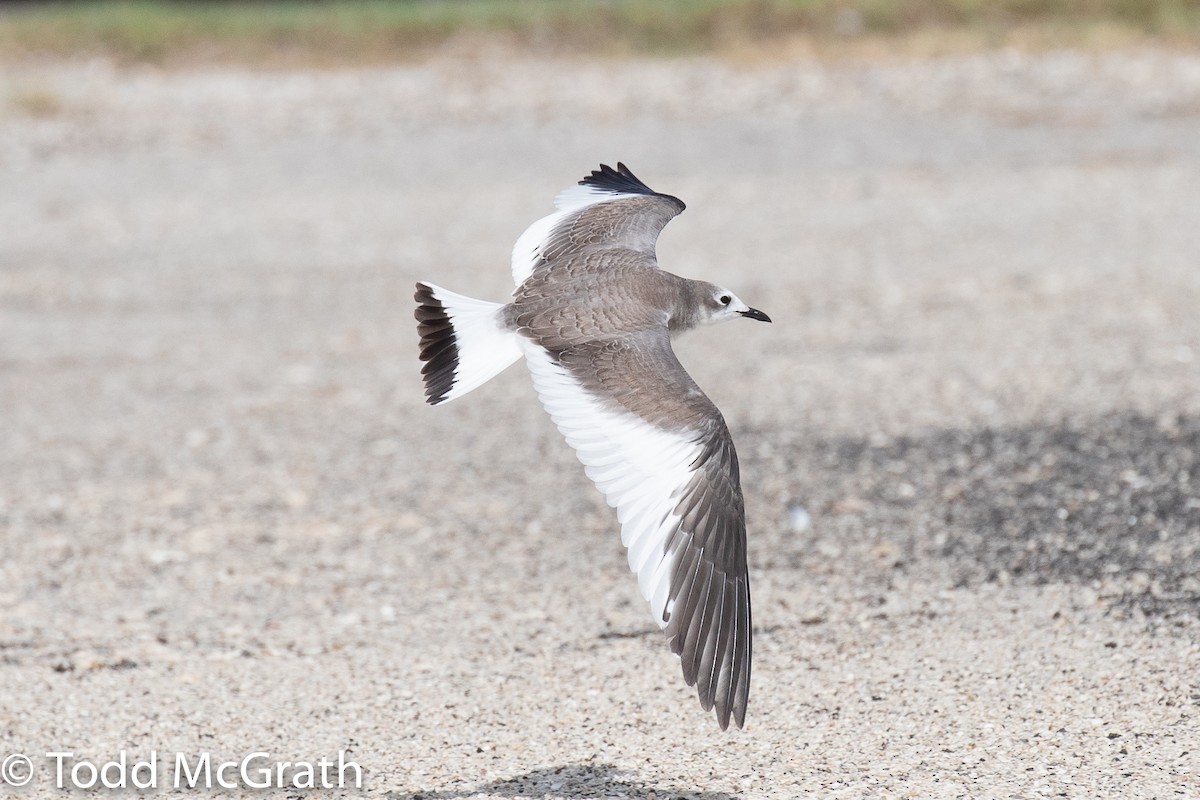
710 624
609 210
623 223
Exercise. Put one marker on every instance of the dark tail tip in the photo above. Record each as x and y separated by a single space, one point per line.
439 348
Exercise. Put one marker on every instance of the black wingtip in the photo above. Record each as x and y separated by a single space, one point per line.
622 181
616 180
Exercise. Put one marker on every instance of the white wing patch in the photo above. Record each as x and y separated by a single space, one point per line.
529 246
640 469
582 194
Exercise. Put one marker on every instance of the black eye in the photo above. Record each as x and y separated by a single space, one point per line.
725 299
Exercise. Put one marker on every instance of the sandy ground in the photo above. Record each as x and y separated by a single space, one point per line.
230 525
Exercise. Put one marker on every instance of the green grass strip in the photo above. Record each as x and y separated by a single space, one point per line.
375 30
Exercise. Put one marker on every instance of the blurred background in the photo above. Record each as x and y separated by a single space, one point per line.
969 441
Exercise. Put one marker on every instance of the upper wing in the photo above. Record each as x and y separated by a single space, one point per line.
609 209
661 453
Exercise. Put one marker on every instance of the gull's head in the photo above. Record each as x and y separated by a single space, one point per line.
721 304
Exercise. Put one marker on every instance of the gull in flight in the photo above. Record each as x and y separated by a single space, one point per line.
593 315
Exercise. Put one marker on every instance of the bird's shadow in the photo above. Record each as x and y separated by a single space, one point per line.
571 780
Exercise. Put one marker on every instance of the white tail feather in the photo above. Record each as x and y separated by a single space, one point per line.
483 346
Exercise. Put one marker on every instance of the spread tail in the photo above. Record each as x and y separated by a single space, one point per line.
463 342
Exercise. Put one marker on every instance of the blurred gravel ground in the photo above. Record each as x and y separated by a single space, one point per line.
969 442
